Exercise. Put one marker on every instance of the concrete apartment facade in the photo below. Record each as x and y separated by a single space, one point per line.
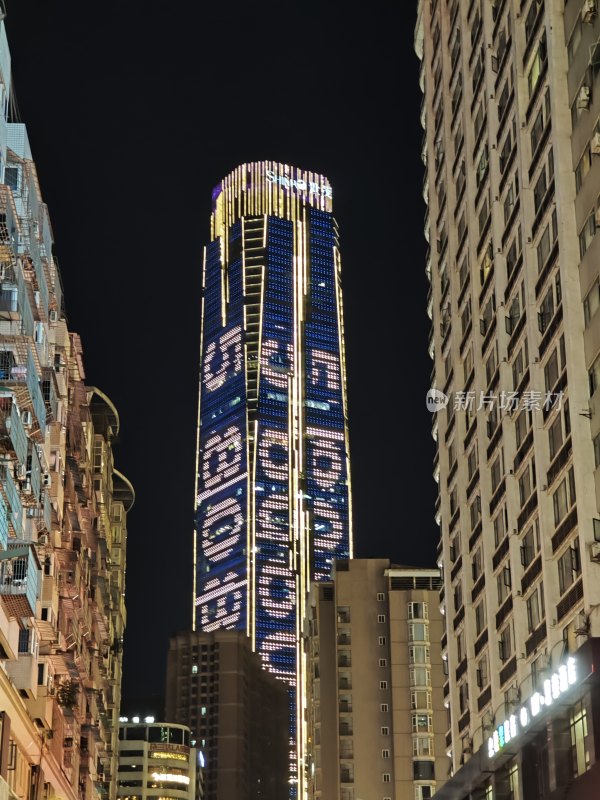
157 761
238 714
376 716
63 511
512 178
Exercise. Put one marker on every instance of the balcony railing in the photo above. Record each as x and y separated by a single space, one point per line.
20 579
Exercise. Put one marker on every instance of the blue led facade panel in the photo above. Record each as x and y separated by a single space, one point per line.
273 494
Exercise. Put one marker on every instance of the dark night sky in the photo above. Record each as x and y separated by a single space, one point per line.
135 110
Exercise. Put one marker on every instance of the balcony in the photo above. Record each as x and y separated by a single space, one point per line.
19 579
12 433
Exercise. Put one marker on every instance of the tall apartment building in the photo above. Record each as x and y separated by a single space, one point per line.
63 512
156 761
376 720
238 714
512 178
273 502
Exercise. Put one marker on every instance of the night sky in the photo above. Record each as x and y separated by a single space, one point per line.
135 110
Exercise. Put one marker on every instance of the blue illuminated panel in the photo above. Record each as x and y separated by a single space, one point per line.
222 462
273 483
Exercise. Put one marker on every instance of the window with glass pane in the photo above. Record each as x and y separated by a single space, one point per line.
578 725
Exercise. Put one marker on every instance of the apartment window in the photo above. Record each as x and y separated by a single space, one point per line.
535 608
453 501
546 242
597 450
511 197
482 167
514 253
539 124
583 167
475 511
384 708
383 662
551 371
513 780
420 676
479 121
564 497
424 792
522 426
463 272
472 461
463 697
537 66
468 364
483 677
480 620
505 647
569 567
594 375
496 472
546 311
458 596
477 565
520 365
381 618
555 437
500 526
461 650
503 584
591 302
504 97
490 365
383 684
508 147
420 700
530 545
540 189
422 723
343 614
455 547
418 654
465 317
380 597
385 753
527 482
381 640
386 777
587 234
418 611
422 746
579 751
418 632
451 454
194 669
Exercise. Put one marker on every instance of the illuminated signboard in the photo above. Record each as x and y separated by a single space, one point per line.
554 687
169 777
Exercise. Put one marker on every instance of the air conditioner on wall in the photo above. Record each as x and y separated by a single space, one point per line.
595 144
595 552
589 11
584 98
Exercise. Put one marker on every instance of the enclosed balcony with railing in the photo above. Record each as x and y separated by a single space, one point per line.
20 579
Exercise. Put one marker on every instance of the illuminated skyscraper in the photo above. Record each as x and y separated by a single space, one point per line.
273 496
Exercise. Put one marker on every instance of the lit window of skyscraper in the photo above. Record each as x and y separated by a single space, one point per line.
273 488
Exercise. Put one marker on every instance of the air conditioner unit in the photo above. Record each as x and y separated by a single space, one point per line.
588 11
21 472
597 216
513 695
595 144
584 98
595 552
26 418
